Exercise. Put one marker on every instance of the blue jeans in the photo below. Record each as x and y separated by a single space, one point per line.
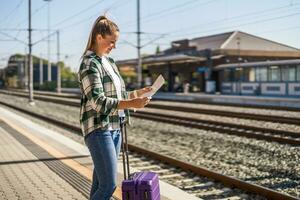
104 147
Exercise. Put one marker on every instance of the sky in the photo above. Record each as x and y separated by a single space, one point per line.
162 21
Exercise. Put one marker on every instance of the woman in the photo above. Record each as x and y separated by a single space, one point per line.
104 101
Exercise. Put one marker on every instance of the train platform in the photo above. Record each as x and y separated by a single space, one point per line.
239 100
281 102
39 163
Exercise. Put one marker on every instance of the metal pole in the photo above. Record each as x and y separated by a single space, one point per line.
139 66
49 49
58 65
31 102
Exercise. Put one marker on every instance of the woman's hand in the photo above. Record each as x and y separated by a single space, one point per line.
142 91
140 102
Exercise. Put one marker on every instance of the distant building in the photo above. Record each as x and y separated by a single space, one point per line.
222 63
16 73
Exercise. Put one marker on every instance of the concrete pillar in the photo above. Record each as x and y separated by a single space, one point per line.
41 71
26 72
58 78
49 71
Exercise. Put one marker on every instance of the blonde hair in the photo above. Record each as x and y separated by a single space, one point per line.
102 26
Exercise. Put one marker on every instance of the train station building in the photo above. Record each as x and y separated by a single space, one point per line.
228 63
15 74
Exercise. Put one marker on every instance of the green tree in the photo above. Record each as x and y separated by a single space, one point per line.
157 49
68 77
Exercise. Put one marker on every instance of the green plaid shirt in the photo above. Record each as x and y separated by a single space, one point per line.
99 100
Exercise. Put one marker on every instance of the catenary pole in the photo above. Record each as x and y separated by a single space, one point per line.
139 65
30 84
49 49
58 64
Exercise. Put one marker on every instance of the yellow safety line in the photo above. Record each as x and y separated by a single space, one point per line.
85 171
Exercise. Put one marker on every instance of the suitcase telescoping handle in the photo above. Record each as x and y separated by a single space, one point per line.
125 151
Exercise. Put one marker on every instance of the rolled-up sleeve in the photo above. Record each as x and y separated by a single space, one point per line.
92 87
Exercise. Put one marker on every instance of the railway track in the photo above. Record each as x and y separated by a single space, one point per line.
74 101
204 102
267 118
285 137
199 181
273 135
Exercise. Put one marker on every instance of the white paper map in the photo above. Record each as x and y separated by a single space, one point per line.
155 87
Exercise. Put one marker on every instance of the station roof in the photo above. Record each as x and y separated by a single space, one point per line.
175 58
261 64
238 40
234 43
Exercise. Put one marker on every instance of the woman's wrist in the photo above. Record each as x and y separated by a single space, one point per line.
125 104
135 94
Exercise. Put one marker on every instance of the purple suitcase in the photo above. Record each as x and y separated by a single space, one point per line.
140 185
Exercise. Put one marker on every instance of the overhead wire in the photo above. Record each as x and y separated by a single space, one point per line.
78 13
115 5
32 14
222 20
172 33
239 25
238 17
92 16
12 11
18 25
15 38
152 42
235 17
12 37
71 17
165 11
248 23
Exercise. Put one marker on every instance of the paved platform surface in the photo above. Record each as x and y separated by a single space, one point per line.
24 176
38 163
231 99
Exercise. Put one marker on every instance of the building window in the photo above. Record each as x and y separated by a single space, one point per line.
288 73
249 74
261 74
274 73
227 75
238 74
298 73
